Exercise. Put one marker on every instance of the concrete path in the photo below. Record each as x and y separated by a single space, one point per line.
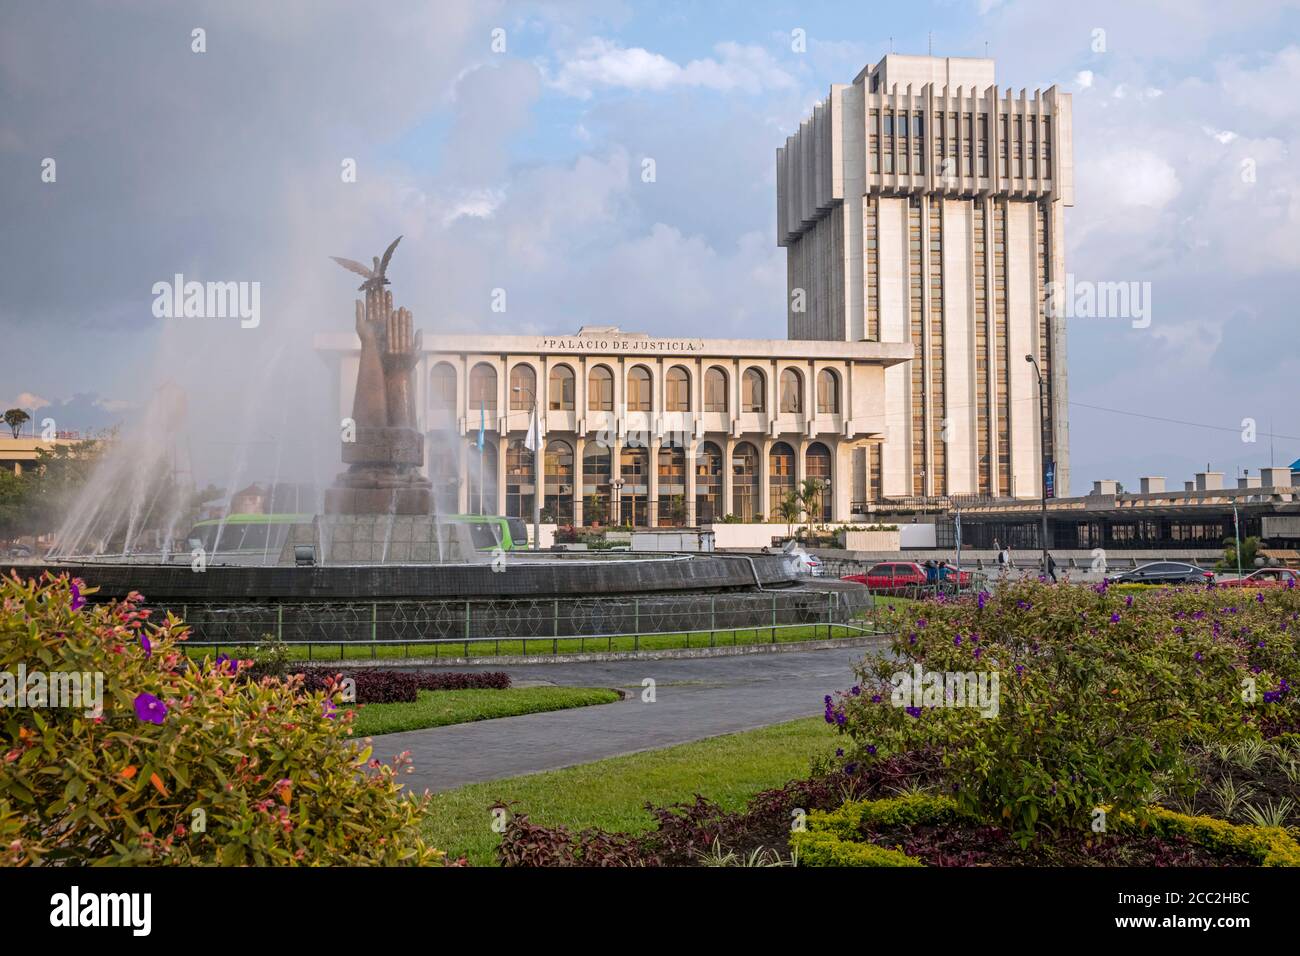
693 699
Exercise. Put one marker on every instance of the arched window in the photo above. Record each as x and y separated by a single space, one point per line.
817 467
600 389
483 387
715 390
442 386
791 392
483 480
672 485
557 506
523 388
640 389
677 390
828 392
780 476
753 394
520 480
560 389
745 482
708 483
596 462
634 470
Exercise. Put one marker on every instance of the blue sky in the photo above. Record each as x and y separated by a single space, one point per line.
521 170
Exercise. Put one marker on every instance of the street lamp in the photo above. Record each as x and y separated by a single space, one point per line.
537 466
1042 455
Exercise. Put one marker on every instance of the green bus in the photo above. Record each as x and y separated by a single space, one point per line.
264 534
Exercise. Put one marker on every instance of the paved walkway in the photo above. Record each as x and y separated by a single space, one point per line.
693 699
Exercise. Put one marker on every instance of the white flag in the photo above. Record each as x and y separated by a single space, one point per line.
534 439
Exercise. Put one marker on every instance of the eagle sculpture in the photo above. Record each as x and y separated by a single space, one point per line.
375 277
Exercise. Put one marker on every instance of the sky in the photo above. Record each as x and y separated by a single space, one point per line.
505 142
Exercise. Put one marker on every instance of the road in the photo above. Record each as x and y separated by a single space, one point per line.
693 699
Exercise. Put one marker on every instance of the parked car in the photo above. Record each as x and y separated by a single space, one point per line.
810 564
899 577
1266 578
1164 572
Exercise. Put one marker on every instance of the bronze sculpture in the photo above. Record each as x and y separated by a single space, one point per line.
387 450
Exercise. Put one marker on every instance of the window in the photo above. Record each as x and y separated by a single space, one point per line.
600 389
753 396
558 503
483 387
744 481
520 480
828 393
677 390
780 476
523 388
442 386
715 390
634 469
817 466
483 480
708 483
639 389
791 392
560 389
672 485
596 462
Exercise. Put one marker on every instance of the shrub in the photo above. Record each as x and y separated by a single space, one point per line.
1098 693
187 764
392 687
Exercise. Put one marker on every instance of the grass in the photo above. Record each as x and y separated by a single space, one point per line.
438 708
611 793
505 647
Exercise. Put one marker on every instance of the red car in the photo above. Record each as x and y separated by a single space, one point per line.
1266 578
892 577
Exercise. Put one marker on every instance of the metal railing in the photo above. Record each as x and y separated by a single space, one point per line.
624 623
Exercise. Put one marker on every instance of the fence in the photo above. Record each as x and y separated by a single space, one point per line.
525 625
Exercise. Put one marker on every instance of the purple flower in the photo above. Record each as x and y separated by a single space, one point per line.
978 652
956 641
855 690
839 751
1260 597
77 600
1128 601
1197 655
225 662
920 622
914 711
1023 605
327 711
871 749
1114 618
875 698
1020 670
983 599
148 647
150 709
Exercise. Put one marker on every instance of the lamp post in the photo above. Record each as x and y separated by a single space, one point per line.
1042 455
537 466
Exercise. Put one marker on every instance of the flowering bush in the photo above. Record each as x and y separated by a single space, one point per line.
186 763
1098 693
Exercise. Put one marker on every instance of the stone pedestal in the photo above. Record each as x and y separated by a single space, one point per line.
383 476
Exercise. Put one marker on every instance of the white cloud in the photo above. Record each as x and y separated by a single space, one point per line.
476 204
1224 136
1083 79
1135 177
603 63
28 400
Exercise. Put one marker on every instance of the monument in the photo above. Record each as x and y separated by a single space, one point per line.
382 447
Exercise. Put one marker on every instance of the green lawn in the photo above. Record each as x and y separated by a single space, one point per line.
437 708
611 793
564 645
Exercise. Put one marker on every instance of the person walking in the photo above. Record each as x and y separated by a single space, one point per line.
1051 567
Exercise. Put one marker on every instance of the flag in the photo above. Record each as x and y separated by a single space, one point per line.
534 439
482 426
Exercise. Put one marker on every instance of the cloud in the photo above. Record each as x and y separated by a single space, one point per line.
1083 79
604 64
1135 177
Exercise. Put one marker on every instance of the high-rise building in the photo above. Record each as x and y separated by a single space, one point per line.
918 205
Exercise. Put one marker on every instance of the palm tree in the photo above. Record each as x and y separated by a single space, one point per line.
15 418
810 497
790 510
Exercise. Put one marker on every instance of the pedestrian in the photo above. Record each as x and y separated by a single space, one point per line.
931 572
1051 567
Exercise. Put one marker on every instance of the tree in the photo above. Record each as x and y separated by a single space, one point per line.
810 497
790 510
16 418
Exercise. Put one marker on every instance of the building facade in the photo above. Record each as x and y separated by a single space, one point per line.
641 430
918 205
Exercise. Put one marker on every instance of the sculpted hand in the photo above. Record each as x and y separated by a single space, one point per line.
402 345
372 318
